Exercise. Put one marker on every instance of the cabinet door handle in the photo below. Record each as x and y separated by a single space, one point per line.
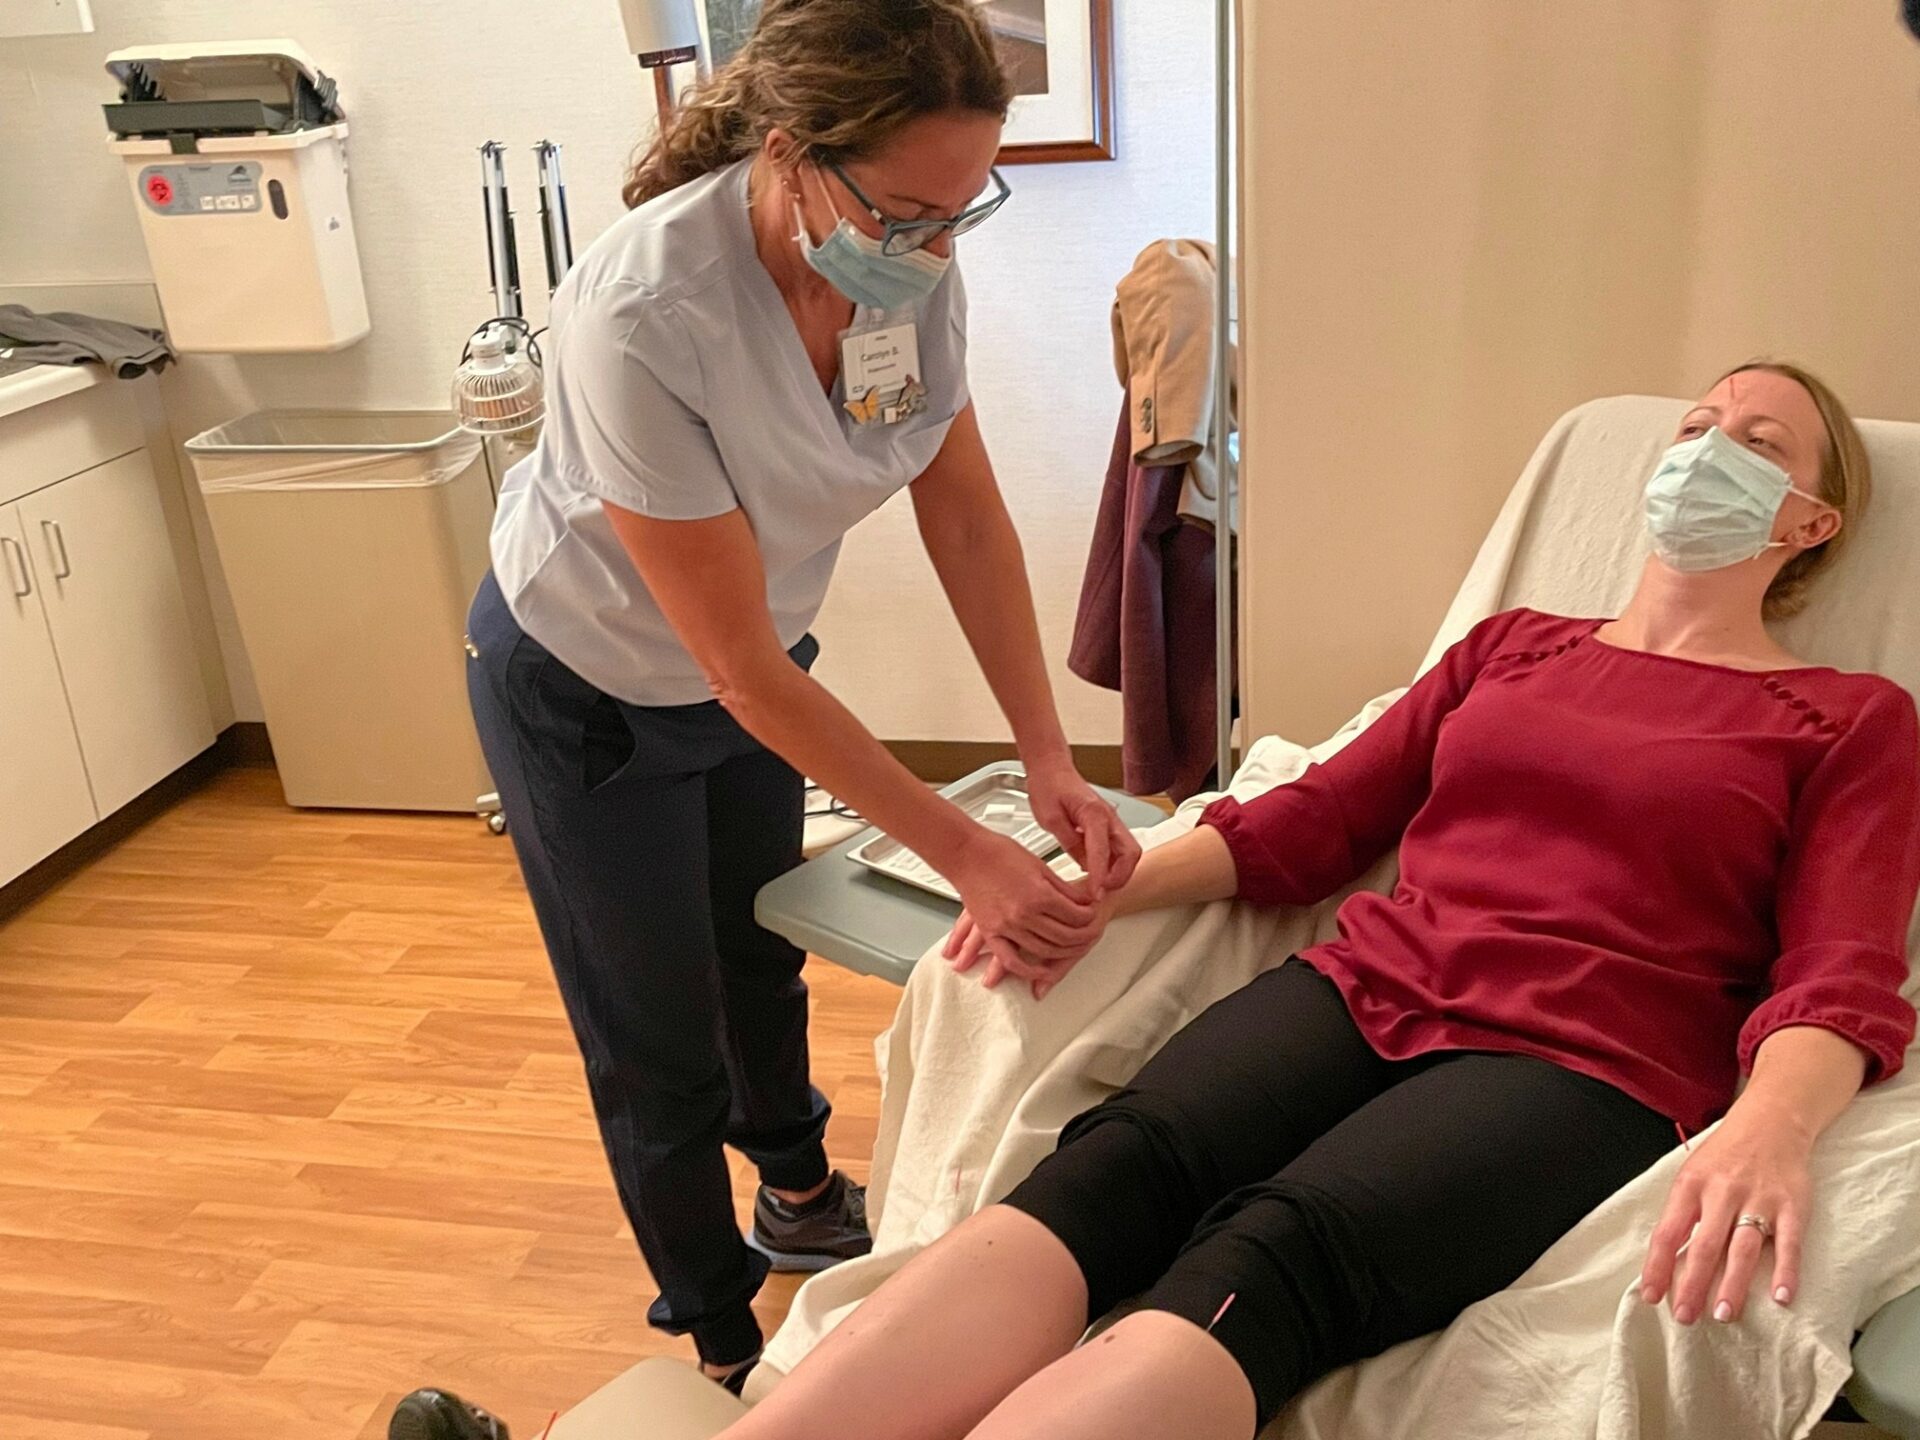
17 570
57 548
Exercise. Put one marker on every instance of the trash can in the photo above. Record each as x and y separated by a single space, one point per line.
352 542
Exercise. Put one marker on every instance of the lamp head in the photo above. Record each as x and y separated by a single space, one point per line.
660 32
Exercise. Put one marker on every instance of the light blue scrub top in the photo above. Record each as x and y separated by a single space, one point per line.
678 387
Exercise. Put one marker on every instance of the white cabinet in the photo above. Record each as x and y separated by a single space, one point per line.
101 690
44 800
119 626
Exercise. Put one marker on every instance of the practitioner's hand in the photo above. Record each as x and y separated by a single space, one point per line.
1085 825
1024 911
966 945
1746 1167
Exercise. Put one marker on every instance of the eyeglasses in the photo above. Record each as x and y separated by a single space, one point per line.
903 237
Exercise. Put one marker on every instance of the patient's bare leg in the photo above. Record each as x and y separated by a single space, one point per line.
1153 1376
940 1344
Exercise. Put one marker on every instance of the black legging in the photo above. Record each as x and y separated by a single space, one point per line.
1345 1202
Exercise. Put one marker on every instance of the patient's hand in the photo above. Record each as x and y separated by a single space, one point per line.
967 943
1746 1167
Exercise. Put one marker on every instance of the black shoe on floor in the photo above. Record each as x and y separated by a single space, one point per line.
829 1228
442 1415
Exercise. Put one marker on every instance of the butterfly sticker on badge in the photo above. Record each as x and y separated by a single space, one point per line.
888 407
864 408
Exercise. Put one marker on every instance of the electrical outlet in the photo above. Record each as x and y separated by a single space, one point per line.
21 18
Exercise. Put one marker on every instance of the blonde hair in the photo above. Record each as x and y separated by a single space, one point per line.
840 76
1846 483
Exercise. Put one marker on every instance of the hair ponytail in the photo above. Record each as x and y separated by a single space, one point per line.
713 128
840 76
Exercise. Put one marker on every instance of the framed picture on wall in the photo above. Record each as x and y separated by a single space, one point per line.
1060 53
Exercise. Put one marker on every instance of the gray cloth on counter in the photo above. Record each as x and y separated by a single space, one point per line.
60 338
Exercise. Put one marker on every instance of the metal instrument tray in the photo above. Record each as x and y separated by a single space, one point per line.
997 799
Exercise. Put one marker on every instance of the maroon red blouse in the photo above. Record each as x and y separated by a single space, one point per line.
1633 865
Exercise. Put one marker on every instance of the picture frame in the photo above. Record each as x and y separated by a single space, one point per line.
1059 51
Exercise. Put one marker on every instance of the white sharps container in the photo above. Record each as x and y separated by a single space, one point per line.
236 152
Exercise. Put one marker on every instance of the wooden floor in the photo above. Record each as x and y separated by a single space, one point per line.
291 1122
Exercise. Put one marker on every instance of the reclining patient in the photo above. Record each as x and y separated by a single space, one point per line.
1638 857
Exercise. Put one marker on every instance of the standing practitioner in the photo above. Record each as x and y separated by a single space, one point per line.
768 346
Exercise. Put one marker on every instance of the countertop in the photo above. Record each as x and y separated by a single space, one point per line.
37 384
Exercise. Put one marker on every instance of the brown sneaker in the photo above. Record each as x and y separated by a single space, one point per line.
829 1228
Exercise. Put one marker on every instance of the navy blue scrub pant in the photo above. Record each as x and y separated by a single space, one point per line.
644 834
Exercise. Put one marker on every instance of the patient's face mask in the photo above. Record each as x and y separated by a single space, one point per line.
1712 503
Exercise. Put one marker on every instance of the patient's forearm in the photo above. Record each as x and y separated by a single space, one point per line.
1803 1078
1196 867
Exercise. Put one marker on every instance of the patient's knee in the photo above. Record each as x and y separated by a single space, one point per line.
1123 1192
1141 1143
1012 1240
1172 1362
1275 1278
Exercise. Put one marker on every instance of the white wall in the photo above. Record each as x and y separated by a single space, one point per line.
1806 213
424 85
1040 280
1459 227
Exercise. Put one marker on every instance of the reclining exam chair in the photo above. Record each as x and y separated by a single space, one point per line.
1554 547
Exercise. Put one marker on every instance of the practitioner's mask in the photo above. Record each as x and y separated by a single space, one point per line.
854 264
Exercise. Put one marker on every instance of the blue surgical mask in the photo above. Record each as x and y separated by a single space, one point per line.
1712 503
854 265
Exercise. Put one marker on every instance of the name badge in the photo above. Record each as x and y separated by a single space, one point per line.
880 373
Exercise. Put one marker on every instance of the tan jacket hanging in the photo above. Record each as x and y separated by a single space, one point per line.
1163 352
